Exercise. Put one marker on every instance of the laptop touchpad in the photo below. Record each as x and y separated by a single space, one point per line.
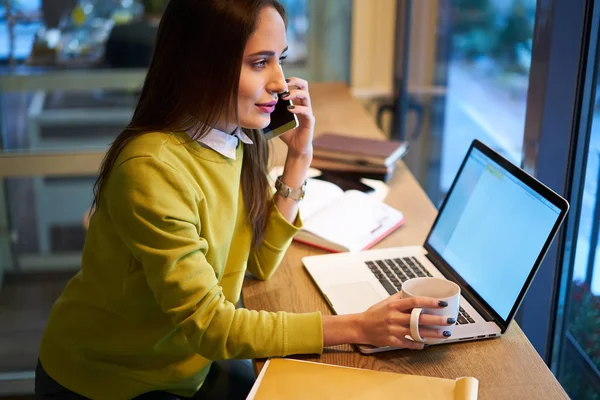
352 297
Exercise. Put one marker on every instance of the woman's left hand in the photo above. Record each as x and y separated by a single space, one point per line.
299 140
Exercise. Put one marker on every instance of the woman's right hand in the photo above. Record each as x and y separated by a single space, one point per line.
388 322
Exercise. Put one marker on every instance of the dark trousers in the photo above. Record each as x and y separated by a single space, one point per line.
227 380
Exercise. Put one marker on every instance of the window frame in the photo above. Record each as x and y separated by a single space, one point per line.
557 128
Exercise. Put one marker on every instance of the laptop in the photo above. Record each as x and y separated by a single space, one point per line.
491 234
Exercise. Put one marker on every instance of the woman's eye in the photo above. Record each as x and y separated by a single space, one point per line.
260 64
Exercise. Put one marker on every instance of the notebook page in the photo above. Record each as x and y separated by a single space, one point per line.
354 221
318 195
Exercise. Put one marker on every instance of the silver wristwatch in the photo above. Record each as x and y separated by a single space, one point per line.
288 192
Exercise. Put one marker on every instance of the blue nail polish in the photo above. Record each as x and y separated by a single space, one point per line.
287 80
451 320
291 107
447 333
443 303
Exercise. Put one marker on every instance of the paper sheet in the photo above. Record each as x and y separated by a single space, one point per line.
294 380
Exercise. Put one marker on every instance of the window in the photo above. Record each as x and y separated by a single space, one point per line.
578 363
476 88
26 16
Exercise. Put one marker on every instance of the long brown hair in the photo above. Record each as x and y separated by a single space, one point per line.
192 79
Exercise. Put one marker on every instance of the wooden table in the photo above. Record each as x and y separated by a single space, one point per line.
507 367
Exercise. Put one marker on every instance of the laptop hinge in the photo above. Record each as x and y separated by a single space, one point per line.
464 291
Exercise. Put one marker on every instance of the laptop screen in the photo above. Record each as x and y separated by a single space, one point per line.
492 229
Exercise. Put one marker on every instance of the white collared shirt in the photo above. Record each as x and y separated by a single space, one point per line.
224 143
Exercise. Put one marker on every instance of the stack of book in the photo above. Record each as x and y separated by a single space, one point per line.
357 157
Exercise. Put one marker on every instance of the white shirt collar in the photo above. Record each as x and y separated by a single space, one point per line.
224 143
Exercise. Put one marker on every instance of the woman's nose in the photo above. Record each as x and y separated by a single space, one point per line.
278 88
278 83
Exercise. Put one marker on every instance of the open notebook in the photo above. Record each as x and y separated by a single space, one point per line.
283 378
348 221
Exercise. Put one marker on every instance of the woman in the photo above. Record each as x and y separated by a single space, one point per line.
183 209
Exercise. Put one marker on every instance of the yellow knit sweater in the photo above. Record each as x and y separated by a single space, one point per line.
162 270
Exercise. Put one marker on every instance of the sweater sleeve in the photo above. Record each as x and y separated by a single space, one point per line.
154 210
265 259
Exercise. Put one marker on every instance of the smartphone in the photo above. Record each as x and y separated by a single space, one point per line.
282 120
345 182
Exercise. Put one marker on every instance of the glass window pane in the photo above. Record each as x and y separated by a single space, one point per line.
47 215
573 383
297 31
478 85
27 21
579 366
583 305
47 231
64 119
488 77
25 302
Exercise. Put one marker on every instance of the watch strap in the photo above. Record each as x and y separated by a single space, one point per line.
289 192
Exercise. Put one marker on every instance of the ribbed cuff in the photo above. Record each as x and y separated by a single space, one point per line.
303 334
280 232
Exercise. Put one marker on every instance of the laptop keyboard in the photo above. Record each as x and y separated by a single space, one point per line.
464 317
391 273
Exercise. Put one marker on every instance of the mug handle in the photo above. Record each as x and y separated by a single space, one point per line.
414 325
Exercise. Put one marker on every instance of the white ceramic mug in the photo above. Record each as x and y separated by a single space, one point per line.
437 288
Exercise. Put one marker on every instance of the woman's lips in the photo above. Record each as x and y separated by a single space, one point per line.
267 108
